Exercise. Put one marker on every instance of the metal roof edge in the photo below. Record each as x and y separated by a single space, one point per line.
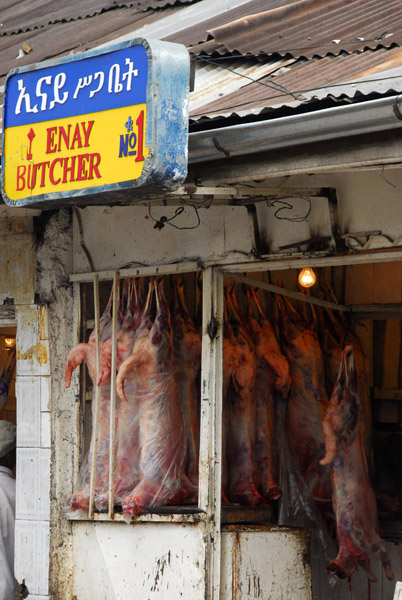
326 124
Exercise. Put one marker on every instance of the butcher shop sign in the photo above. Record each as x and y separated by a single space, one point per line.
101 127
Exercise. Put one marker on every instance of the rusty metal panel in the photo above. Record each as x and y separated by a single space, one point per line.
266 562
40 13
290 83
118 561
311 28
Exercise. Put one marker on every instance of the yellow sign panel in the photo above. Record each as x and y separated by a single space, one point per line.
88 150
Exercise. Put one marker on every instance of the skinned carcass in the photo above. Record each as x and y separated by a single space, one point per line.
87 352
272 377
187 354
307 400
353 497
241 406
162 438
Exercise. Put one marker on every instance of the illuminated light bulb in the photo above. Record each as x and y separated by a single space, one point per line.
9 342
307 277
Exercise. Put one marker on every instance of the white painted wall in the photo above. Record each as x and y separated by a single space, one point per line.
119 236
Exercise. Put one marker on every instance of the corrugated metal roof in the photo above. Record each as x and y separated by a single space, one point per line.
295 83
321 48
311 28
27 15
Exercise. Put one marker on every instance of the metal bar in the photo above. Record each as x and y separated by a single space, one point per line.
298 261
237 262
112 414
391 394
96 400
240 192
283 292
76 329
210 478
143 271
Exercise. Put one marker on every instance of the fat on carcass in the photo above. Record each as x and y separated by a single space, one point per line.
162 437
241 406
187 355
307 400
272 377
353 497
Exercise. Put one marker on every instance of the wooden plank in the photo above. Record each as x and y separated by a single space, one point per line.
284 292
210 475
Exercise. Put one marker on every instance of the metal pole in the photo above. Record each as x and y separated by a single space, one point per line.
96 400
112 414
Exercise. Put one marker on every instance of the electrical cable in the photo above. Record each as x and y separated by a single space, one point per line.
163 220
288 206
273 85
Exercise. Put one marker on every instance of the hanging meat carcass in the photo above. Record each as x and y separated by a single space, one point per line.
187 354
162 437
307 400
136 324
272 377
345 335
353 497
87 352
241 406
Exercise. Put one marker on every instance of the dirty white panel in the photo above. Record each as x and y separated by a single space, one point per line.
17 268
32 352
45 394
27 547
115 561
27 483
43 559
265 562
28 390
44 484
121 236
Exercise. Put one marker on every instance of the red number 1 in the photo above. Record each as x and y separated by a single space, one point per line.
140 146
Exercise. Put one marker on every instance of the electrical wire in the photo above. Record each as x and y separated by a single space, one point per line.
288 206
163 220
273 85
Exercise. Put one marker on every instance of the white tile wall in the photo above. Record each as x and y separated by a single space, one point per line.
45 394
26 553
44 485
28 391
33 455
45 430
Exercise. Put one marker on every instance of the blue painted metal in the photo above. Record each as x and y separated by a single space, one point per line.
164 88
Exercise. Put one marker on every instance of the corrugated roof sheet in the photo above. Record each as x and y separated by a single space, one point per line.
26 15
295 83
310 28
291 53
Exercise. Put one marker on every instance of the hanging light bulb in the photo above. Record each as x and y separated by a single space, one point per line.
307 277
9 342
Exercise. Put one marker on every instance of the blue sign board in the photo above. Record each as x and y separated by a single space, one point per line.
100 127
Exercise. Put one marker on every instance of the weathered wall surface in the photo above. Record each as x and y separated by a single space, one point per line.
124 236
54 257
